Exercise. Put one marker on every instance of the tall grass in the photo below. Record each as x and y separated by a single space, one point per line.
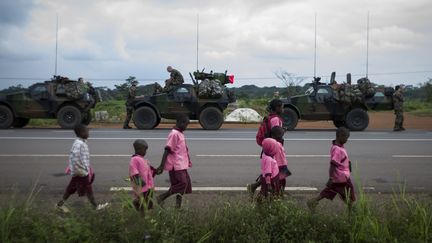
402 219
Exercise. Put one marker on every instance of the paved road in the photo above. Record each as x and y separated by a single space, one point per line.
224 158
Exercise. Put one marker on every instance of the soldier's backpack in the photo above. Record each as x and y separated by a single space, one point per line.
264 131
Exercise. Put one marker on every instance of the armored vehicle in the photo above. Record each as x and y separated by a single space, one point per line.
60 98
204 100
344 104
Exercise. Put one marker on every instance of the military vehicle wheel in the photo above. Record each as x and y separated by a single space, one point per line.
145 118
357 119
338 123
211 118
87 118
6 117
290 119
68 117
20 122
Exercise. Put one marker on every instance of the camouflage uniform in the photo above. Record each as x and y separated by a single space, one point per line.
176 78
129 107
398 110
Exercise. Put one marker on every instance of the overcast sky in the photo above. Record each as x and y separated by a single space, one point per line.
252 39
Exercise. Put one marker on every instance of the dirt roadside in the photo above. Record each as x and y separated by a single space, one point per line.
377 120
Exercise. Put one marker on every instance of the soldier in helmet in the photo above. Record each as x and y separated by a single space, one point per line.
398 108
129 103
176 78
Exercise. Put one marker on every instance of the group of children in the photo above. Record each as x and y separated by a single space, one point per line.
176 160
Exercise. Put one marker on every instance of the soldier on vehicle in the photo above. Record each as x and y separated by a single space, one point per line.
398 100
176 78
129 103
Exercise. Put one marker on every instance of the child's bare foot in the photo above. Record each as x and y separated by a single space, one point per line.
312 204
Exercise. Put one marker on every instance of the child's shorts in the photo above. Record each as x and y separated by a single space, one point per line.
147 196
180 182
342 189
80 184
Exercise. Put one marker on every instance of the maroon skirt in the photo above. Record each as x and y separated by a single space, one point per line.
180 182
342 189
80 184
147 201
275 187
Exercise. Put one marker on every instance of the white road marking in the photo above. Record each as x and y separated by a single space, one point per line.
62 155
255 156
225 139
371 188
412 156
209 189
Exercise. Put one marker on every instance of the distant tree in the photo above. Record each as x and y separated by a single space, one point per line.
291 81
427 87
13 88
122 89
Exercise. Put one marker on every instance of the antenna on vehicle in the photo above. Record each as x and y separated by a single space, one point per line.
367 46
56 47
197 43
315 52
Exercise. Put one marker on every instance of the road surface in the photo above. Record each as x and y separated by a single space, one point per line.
222 160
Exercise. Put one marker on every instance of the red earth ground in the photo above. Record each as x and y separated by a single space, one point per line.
377 120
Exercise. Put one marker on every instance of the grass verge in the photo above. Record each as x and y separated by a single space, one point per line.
402 219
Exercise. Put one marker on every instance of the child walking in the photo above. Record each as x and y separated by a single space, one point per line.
269 169
277 133
80 170
141 175
176 161
280 157
339 182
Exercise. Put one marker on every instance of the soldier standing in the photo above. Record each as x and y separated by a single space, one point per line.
129 104
398 108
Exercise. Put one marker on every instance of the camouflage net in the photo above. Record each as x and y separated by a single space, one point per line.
210 89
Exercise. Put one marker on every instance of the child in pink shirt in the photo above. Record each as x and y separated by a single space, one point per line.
339 173
141 175
280 157
269 168
176 161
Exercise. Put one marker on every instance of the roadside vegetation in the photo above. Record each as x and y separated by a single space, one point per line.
401 219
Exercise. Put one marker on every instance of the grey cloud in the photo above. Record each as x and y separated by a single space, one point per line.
15 12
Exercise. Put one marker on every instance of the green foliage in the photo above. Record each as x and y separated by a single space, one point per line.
417 107
403 219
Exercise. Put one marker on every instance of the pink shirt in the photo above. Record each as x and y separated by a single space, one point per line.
339 164
178 158
269 166
276 121
140 166
280 155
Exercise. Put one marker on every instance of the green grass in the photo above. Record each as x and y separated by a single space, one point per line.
419 108
113 107
402 219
